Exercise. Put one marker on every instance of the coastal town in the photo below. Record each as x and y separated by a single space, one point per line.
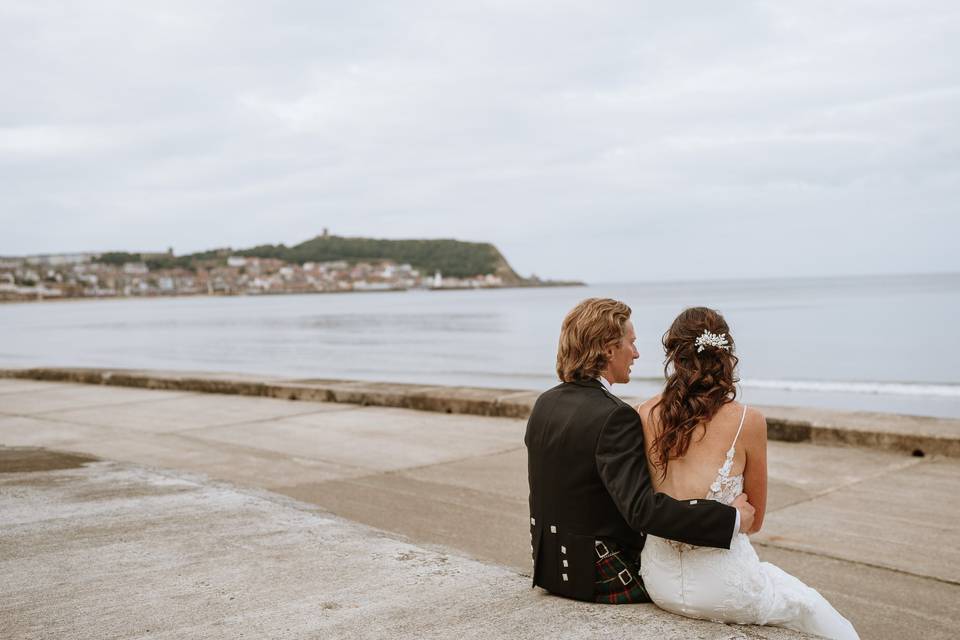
91 275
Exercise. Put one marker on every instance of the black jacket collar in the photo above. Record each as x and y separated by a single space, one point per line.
596 384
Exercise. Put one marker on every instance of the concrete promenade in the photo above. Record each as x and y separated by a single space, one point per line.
150 542
911 434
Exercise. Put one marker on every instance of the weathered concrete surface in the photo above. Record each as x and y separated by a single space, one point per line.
34 459
880 602
907 519
922 435
460 481
113 550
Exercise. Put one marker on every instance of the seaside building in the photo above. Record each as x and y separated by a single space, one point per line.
221 273
135 268
59 259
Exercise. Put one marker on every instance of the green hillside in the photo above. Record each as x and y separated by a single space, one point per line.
450 257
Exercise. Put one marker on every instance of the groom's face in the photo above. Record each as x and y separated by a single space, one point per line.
620 357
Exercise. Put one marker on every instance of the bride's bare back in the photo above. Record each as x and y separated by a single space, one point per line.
690 476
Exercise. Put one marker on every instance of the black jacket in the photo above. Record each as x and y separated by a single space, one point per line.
589 481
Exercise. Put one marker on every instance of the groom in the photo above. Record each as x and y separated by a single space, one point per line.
591 502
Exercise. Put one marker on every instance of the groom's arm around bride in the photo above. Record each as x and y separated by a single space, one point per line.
591 501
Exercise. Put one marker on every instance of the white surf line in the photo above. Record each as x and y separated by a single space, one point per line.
869 388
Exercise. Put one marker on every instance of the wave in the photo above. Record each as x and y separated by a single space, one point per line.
917 389
868 388
942 390
650 383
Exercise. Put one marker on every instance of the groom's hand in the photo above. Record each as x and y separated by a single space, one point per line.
746 512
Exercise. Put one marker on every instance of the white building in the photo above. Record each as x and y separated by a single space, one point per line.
59 259
135 268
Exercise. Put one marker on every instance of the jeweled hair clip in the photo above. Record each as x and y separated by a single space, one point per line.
708 339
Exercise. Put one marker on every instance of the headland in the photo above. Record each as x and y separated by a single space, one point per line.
324 264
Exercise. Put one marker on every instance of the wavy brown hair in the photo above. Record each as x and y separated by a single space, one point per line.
587 331
698 384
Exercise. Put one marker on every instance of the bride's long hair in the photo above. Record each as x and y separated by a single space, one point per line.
700 380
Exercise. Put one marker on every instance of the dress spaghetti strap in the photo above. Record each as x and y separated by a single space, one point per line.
742 417
723 473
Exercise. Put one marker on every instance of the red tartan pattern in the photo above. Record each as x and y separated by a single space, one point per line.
612 571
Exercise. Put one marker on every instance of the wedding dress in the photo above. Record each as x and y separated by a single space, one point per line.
733 585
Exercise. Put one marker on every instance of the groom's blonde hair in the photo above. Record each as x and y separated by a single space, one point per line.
587 331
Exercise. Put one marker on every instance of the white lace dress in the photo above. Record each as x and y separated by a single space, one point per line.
733 585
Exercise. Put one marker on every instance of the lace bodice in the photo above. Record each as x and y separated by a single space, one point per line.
724 488
727 489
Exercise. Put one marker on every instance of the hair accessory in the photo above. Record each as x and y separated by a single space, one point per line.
708 339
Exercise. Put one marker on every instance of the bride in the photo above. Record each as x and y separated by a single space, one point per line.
702 444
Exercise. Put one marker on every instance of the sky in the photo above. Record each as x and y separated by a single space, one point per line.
603 141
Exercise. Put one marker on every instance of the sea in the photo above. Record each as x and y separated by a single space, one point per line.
878 343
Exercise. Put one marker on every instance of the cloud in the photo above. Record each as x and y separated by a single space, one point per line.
671 141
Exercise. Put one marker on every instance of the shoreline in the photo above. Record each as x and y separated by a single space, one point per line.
174 296
917 435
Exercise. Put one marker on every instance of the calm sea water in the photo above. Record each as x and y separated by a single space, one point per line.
876 344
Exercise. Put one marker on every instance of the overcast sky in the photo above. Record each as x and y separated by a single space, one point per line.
595 140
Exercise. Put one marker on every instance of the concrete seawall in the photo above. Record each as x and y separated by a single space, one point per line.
917 435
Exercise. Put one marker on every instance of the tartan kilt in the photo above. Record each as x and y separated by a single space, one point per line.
617 573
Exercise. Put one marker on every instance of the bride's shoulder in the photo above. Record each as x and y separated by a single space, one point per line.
754 416
735 408
754 423
645 407
645 410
